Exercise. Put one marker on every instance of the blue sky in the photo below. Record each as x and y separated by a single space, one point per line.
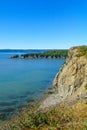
43 24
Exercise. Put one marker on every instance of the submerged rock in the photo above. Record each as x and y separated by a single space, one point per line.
70 84
2 117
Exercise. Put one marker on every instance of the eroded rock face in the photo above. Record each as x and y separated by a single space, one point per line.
70 81
73 75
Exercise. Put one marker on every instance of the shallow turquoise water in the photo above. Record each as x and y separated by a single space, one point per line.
22 80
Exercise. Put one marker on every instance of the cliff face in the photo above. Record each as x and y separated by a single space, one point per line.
69 86
71 80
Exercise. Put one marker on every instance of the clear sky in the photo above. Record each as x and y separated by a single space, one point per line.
43 24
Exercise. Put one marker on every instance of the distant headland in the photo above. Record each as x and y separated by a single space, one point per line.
50 54
65 104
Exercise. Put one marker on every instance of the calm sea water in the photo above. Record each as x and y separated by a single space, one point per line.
24 80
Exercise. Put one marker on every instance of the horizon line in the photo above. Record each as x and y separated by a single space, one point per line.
34 49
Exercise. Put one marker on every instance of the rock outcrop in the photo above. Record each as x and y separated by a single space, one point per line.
50 54
15 56
71 81
70 89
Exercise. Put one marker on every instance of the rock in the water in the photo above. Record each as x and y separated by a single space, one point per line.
2 116
15 56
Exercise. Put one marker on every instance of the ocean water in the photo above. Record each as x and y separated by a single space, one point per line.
24 80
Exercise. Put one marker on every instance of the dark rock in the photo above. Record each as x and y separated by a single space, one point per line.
2 117
7 103
15 56
8 110
30 100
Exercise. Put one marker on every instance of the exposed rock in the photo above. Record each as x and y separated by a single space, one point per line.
22 57
70 81
15 56
70 88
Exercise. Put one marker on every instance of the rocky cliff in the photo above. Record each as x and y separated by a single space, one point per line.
69 90
71 81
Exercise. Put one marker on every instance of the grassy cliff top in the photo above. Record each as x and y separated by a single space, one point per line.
82 51
77 51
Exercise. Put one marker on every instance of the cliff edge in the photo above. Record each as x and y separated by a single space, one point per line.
69 90
71 81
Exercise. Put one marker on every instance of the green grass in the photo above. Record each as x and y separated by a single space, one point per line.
56 53
58 118
85 86
85 126
50 53
82 51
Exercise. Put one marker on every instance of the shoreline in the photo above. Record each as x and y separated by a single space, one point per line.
51 54
25 107
60 107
